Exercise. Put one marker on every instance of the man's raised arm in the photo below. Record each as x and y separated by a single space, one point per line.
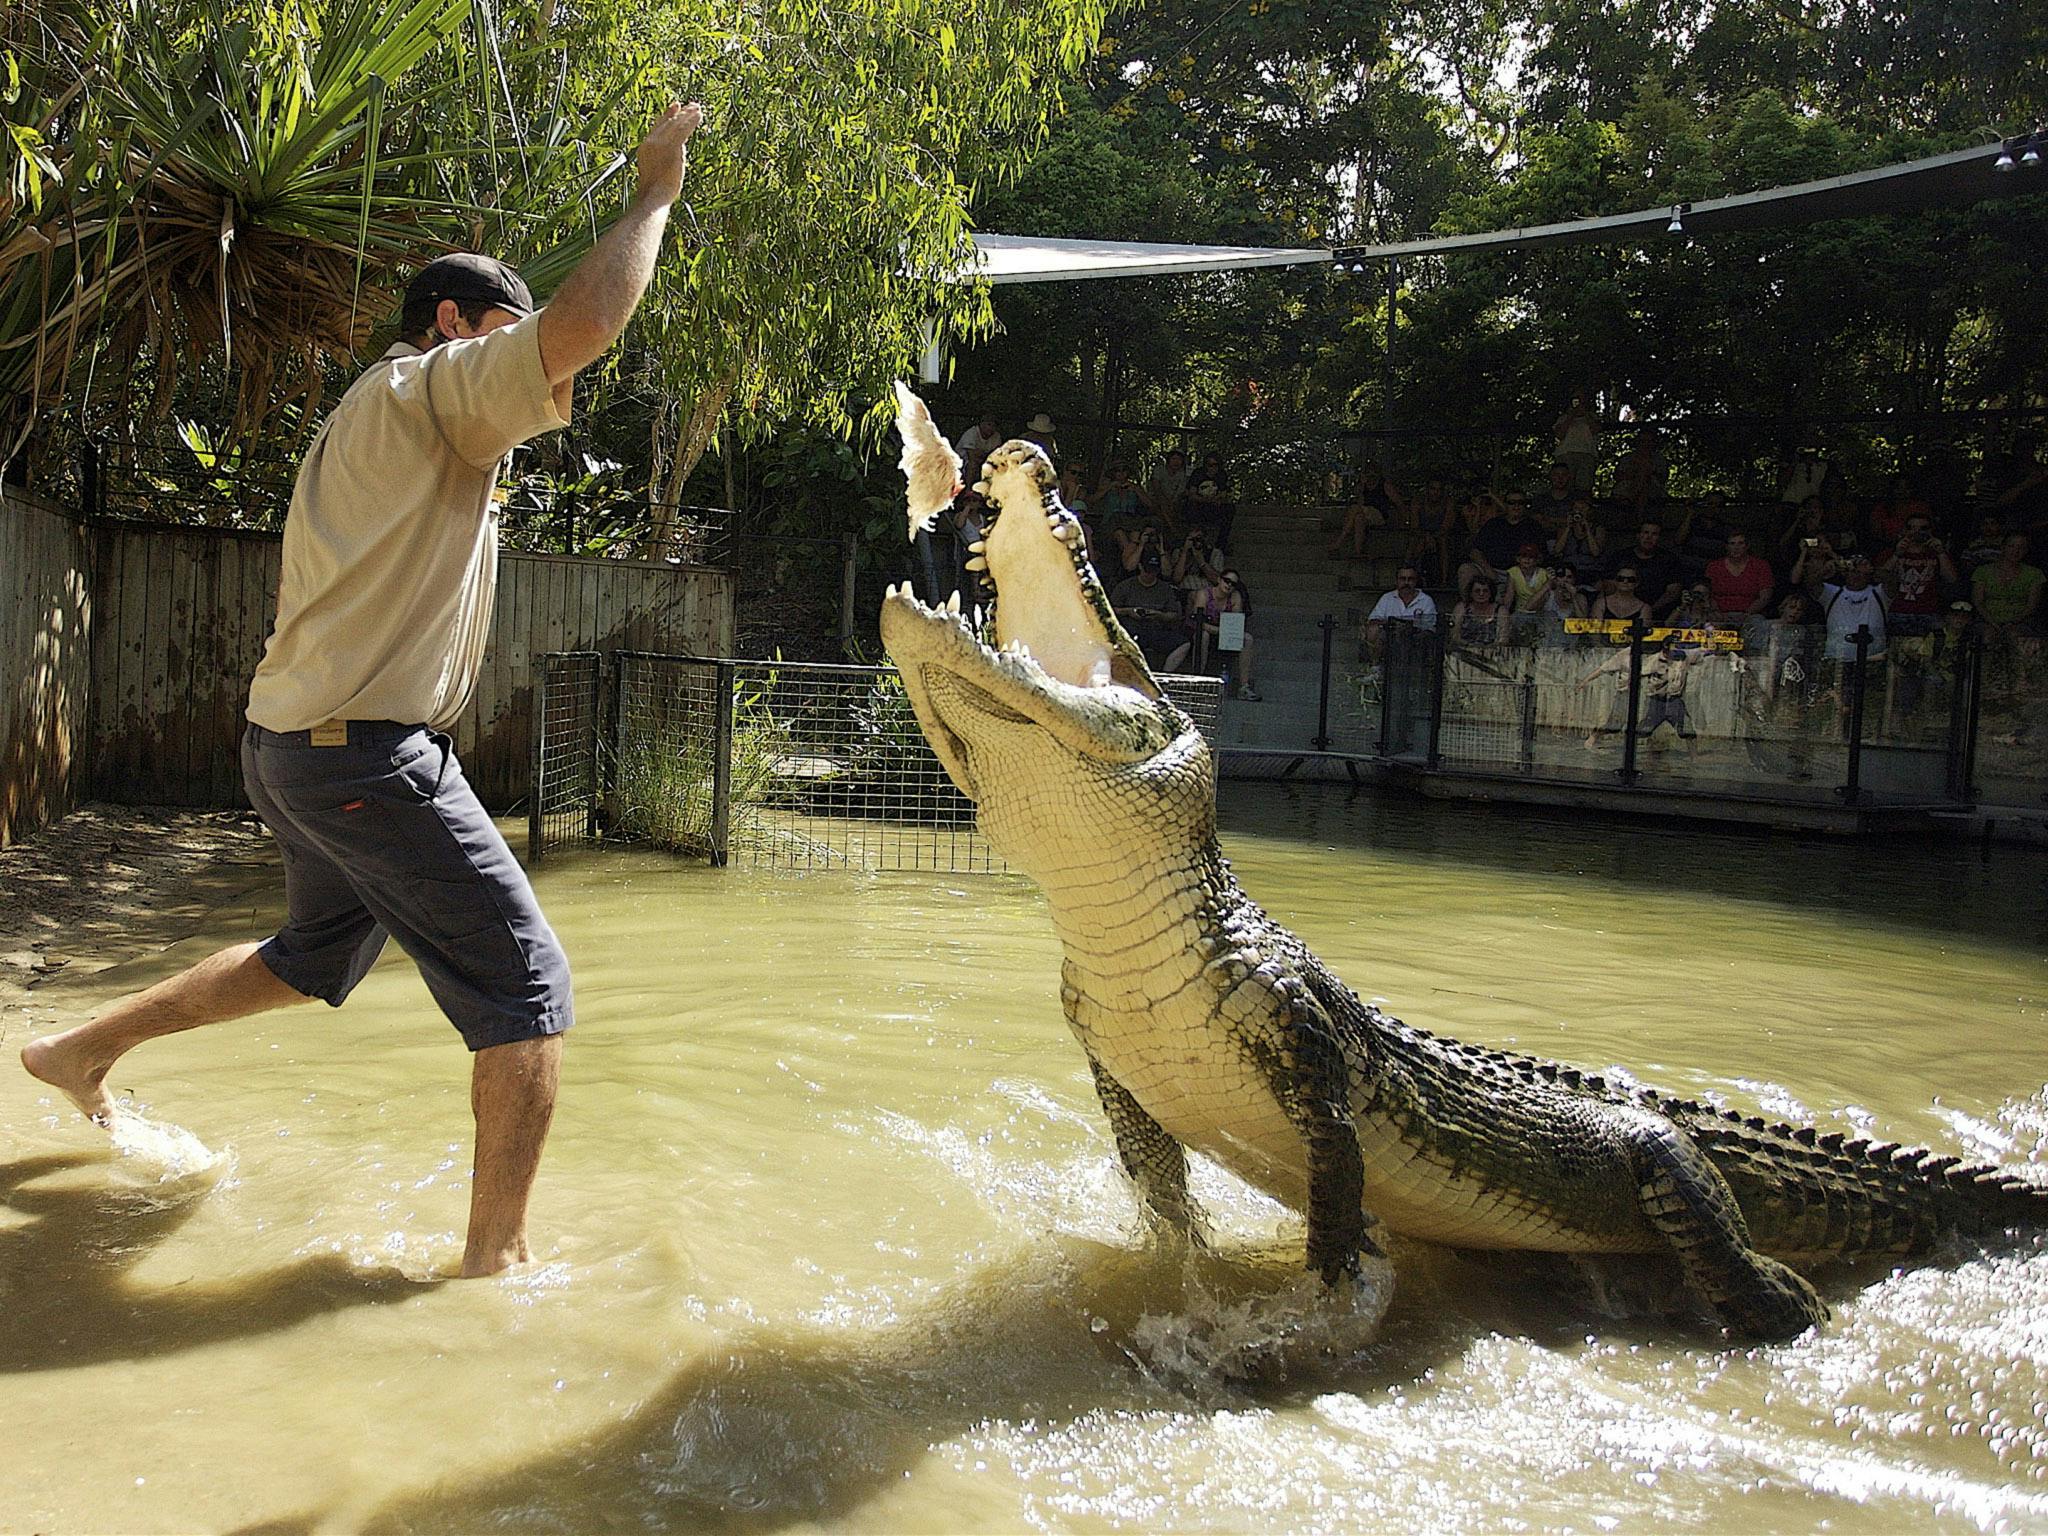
590 310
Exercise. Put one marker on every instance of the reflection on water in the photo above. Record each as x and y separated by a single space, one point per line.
830 1233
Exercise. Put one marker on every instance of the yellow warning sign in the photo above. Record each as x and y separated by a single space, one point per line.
1617 630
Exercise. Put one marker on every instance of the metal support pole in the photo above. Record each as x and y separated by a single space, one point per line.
1973 655
848 549
1387 376
1390 642
1852 789
1435 649
536 785
1528 754
721 767
607 724
1636 631
1958 721
1328 625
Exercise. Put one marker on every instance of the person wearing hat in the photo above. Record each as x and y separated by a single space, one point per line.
384 608
1040 430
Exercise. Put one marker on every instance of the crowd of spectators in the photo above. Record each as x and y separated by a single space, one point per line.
1514 565
1522 562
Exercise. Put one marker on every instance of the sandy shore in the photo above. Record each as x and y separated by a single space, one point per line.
110 883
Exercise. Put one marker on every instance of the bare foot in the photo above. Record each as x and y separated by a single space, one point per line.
477 1265
56 1060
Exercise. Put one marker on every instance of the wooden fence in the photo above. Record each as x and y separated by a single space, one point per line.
124 673
45 664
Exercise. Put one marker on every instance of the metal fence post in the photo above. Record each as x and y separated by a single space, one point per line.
1636 631
607 710
848 549
1973 654
1852 789
1960 724
721 765
1528 753
536 784
1435 647
1322 741
1389 636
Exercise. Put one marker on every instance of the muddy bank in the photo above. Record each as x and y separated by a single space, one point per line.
110 883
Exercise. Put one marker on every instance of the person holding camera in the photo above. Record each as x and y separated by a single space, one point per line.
1149 607
1848 600
1192 567
1581 542
1917 572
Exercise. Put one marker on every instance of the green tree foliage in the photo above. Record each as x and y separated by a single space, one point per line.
197 194
1369 123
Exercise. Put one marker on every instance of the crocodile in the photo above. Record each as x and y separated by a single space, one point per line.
1210 1027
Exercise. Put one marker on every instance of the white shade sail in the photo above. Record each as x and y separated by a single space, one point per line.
1041 259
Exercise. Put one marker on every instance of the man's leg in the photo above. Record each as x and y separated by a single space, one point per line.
512 1091
231 984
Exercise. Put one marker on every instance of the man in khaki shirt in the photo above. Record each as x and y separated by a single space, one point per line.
390 567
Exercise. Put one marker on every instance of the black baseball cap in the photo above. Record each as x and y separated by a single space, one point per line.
469 278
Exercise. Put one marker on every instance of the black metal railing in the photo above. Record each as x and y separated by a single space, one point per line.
1773 712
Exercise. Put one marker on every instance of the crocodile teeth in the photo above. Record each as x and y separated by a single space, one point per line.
890 594
978 547
953 603
977 563
978 619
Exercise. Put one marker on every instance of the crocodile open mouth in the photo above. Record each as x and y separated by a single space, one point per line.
1038 595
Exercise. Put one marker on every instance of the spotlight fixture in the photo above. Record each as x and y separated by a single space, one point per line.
2004 162
2033 154
1678 213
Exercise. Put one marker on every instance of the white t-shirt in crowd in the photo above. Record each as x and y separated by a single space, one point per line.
1421 613
1847 612
391 544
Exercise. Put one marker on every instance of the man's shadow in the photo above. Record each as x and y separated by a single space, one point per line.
68 1298
802 1424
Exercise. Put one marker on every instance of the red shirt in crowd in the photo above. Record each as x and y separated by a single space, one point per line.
1918 578
1734 591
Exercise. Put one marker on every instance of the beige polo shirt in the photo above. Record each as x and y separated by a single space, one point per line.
391 544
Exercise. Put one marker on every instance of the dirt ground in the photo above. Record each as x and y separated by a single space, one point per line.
110 883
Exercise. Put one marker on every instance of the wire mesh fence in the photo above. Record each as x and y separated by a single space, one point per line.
787 765
566 765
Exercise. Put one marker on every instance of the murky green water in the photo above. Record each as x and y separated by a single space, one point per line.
831 1235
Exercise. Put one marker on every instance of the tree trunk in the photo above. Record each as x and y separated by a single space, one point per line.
699 427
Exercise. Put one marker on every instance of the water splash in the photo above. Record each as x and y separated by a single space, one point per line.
158 1152
1287 1323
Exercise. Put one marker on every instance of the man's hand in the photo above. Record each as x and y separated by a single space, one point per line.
664 153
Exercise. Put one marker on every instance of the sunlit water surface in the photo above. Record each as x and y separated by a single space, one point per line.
830 1233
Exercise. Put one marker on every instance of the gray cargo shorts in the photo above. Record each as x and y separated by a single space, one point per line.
382 837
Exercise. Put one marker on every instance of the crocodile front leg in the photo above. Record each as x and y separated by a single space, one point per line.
1157 1164
1689 1203
1318 1100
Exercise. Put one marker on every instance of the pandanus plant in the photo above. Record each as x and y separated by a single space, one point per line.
187 187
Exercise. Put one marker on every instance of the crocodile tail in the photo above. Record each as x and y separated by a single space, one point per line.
1814 1195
